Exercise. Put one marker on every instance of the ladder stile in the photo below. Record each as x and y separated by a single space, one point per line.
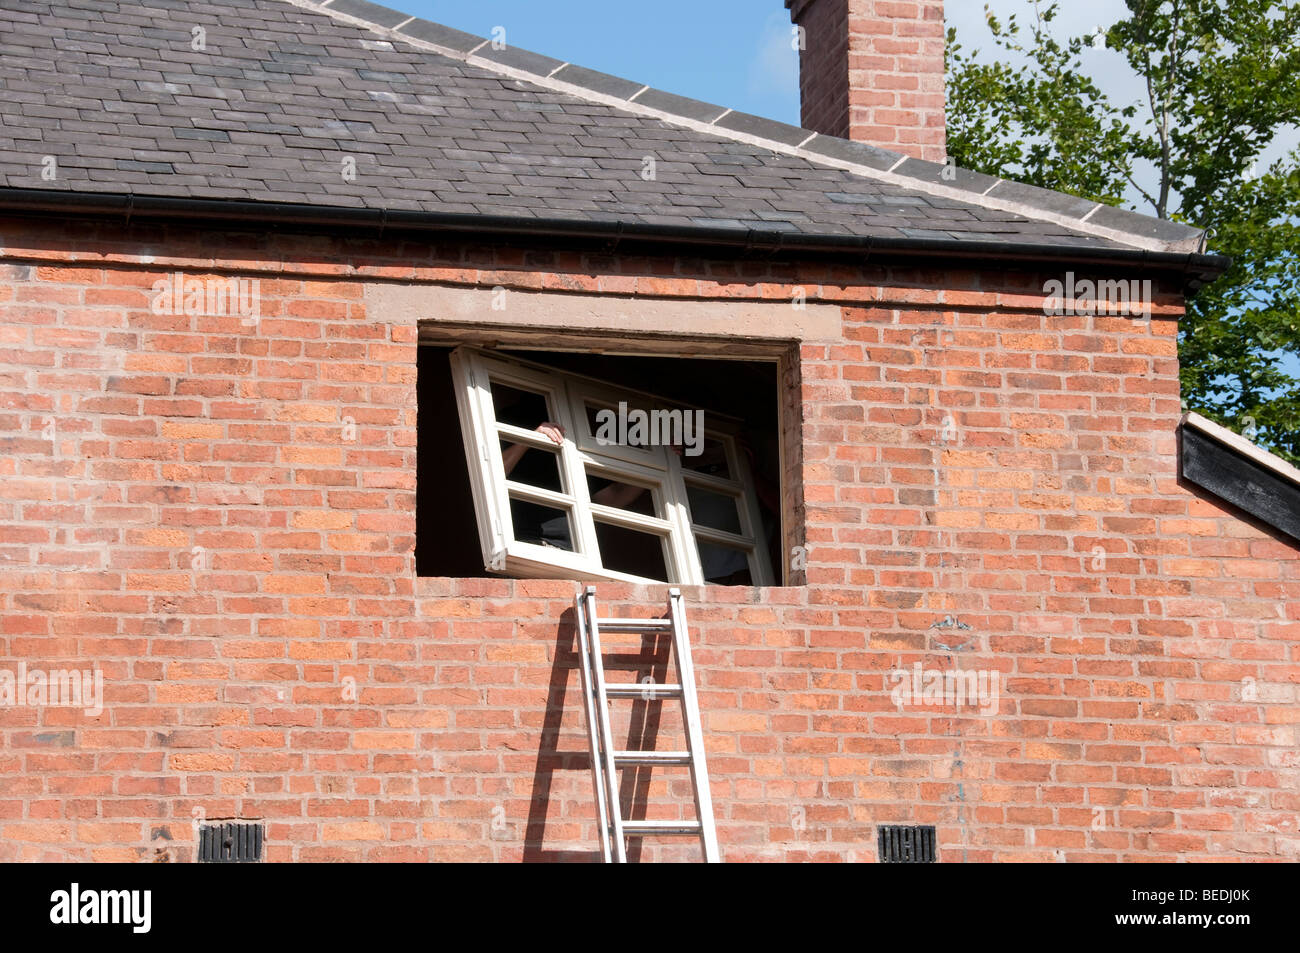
694 731
606 761
615 829
593 735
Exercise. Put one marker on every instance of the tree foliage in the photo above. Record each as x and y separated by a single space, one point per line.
1221 82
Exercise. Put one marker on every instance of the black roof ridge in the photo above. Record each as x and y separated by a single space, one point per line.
946 181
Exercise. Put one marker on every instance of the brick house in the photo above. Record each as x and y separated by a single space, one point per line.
289 293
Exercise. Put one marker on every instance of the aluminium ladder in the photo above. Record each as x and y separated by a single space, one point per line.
606 760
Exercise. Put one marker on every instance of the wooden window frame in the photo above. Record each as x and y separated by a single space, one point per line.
655 467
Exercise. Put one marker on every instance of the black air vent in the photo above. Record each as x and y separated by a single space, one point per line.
230 843
906 845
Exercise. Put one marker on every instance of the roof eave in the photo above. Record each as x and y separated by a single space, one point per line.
1196 269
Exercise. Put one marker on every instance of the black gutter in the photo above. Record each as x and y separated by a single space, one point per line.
1197 269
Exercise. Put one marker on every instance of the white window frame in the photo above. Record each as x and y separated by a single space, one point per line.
657 468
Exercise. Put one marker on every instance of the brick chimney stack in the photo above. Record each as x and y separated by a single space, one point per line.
872 71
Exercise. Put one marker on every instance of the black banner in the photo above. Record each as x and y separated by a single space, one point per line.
944 904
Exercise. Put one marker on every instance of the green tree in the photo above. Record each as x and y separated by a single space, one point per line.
1222 79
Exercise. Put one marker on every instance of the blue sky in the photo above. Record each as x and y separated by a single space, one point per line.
733 52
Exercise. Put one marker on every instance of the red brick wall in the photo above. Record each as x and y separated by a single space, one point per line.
873 71
986 487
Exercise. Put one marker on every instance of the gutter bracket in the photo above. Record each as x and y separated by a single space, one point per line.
777 247
612 245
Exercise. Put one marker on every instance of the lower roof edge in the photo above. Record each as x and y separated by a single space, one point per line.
1196 269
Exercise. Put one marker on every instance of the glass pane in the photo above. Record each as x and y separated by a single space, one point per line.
604 422
541 524
531 465
520 408
714 510
630 426
712 460
610 491
595 424
724 565
631 551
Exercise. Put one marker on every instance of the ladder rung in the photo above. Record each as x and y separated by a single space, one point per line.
643 690
635 625
652 757
661 828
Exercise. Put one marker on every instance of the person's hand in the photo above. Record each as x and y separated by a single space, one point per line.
553 431
511 455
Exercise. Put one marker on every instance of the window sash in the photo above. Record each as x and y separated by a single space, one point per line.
657 468
583 392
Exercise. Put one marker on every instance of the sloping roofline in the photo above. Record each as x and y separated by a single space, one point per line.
1255 481
1092 218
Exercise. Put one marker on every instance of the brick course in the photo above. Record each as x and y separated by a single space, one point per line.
984 487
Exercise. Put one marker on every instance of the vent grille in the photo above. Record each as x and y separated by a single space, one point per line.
906 845
230 843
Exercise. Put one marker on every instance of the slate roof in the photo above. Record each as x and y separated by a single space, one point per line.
286 92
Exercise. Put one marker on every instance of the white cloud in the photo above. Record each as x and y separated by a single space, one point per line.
775 67
1106 67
